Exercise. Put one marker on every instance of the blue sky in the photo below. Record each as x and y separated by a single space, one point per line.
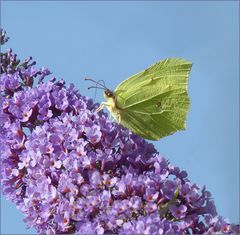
114 40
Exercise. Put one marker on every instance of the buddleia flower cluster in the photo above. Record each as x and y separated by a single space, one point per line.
70 169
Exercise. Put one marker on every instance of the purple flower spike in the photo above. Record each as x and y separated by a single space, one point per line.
69 169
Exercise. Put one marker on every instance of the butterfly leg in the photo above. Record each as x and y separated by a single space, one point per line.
103 104
111 118
119 118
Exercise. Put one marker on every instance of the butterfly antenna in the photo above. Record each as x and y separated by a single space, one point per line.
103 83
96 82
96 87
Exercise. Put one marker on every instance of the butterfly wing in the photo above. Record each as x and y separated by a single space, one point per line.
155 101
159 116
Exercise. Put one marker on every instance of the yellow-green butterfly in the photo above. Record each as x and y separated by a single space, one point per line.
153 103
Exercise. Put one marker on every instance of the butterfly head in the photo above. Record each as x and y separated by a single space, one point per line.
108 94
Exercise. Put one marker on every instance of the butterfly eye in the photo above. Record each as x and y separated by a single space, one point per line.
108 93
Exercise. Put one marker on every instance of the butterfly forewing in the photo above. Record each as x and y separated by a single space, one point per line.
168 67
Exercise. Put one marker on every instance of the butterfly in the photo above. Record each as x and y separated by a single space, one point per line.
154 102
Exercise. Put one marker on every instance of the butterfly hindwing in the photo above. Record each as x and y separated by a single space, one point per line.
159 116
